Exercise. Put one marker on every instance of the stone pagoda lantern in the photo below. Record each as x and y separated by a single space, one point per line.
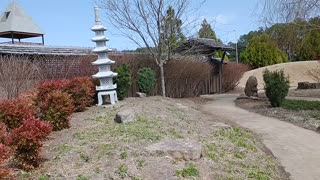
105 75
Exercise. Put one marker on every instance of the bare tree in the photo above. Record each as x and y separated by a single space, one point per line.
17 74
289 10
142 21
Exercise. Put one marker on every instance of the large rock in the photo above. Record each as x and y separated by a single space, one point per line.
178 149
125 116
251 89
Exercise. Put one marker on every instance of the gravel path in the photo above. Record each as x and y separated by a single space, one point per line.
297 149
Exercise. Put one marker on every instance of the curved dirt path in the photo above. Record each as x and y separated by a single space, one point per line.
297 149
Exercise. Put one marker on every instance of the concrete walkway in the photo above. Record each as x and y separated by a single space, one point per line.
297 149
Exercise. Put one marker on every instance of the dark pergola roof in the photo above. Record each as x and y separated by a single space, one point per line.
18 35
202 46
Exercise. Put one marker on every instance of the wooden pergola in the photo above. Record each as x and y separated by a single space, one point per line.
206 47
16 24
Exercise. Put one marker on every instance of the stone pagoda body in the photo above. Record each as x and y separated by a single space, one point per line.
105 75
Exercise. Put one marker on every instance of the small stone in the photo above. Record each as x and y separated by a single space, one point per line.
178 149
125 116
251 88
141 95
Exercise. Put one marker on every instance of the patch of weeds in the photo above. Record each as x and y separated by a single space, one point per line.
316 115
213 156
240 155
43 177
260 175
103 150
123 155
64 148
122 170
191 171
142 129
84 157
82 177
97 170
25 175
140 164
136 178
301 105
214 152
239 138
173 132
178 113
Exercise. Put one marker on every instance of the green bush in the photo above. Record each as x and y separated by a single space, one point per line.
123 80
276 87
146 80
301 105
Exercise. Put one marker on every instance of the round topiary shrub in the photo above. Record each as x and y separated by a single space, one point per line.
146 80
276 86
123 80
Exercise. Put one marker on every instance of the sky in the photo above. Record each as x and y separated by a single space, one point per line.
68 22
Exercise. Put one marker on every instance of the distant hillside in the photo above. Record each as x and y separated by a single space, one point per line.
297 71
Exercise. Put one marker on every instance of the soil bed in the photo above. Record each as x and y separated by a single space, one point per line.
95 147
309 119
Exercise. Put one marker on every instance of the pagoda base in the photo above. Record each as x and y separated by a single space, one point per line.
112 94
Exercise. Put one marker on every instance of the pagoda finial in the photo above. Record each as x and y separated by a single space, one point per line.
97 14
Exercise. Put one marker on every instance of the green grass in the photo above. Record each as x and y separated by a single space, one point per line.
43 177
81 177
190 171
301 105
239 138
122 170
123 155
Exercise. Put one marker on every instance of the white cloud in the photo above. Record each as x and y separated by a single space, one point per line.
222 19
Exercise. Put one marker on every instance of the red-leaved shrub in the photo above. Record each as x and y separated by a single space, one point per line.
82 91
4 153
48 86
27 141
13 111
231 74
55 107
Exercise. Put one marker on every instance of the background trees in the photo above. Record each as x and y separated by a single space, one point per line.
151 24
262 51
206 31
286 11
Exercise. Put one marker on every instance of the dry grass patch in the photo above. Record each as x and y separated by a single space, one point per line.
96 147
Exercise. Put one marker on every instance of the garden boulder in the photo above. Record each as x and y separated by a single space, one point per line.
125 116
251 89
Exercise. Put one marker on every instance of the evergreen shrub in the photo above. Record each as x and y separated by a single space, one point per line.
123 80
276 86
146 80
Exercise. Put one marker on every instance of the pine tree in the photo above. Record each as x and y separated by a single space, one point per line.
206 31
